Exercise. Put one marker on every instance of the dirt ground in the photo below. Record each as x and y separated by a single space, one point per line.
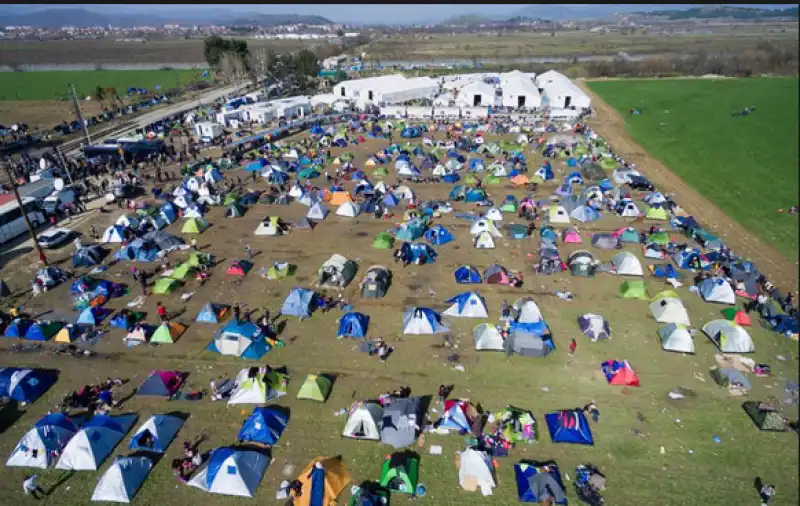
44 114
610 124
631 456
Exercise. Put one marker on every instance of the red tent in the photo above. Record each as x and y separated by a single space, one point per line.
238 268
620 373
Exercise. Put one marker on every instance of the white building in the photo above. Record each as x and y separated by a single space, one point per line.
519 92
292 106
565 95
476 94
391 89
208 129
411 89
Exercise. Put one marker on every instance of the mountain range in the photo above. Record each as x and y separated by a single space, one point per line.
56 18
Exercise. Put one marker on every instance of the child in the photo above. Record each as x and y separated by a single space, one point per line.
573 345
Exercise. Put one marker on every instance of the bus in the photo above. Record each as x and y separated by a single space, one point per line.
12 223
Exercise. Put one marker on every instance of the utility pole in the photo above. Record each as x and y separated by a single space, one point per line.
64 164
78 113
42 256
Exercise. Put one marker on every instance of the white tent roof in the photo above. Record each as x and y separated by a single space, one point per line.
484 241
626 264
472 307
670 310
349 210
90 446
527 311
558 214
676 337
239 474
493 214
476 465
248 390
484 225
732 338
487 337
122 479
317 212
364 421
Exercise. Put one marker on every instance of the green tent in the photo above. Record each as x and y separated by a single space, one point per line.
230 198
470 179
380 172
347 157
280 270
308 174
580 151
235 211
196 259
661 238
383 241
400 472
182 271
509 207
165 285
168 333
629 235
633 290
657 213
608 163
316 387
194 226
764 416
493 180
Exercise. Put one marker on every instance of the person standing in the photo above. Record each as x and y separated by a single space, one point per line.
142 282
767 493
162 312
249 251
573 345
32 488
237 312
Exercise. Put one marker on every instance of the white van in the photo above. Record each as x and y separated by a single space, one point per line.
57 201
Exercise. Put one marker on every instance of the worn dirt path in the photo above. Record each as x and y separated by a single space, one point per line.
608 123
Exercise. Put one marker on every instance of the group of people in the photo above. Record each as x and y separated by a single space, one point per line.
191 460
96 397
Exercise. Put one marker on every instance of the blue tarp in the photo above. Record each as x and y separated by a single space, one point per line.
569 426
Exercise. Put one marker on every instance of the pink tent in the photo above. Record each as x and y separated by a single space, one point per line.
571 236
496 274
161 383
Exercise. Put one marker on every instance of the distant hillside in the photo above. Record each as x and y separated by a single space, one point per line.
466 20
267 20
710 12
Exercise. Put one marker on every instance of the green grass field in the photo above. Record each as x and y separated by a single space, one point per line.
745 165
53 85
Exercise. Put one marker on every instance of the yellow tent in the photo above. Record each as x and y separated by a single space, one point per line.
336 161
335 478
369 163
339 198
66 334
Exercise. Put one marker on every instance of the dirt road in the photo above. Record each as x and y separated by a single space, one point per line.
776 267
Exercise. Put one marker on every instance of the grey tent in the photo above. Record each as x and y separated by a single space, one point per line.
526 344
592 172
376 282
401 422
89 255
605 241
730 378
544 486
284 199
764 416
163 240
303 224
581 263
747 276
336 272
572 202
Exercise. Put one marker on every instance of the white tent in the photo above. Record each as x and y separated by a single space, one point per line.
498 170
487 337
249 390
127 221
717 290
669 310
626 264
380 187
307 200
418 321
182 201
407 170
112 234
595 326
484 241
232 471
162 429
35 447
349 210
193 184
317 212
364 421
676 337
475 471
558 215
630 210
122 479
179 192
268 227
484 225
527 311
296 191
193 211
403 192
729 337
494 214
87 450
467 305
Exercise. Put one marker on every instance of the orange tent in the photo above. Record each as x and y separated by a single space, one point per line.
520 180
339 198
327 472
737 316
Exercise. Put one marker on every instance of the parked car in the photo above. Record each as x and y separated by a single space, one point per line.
55 237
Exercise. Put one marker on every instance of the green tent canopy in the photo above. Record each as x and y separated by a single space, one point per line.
380 172
168 333
165 285
493 180
400 472
308 174
182 271
316 387
657 213
383 241
194 226
608 163
633 290
230 198
764 416
470 179
280 270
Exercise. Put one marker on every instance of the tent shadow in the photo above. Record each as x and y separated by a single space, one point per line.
65 475
9 414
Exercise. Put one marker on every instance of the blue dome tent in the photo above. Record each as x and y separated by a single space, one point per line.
467 274
265 426
18 327
299 302
161 428
438 235
25 385
242 339
353 325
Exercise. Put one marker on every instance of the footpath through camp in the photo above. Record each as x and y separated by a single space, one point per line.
375 308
